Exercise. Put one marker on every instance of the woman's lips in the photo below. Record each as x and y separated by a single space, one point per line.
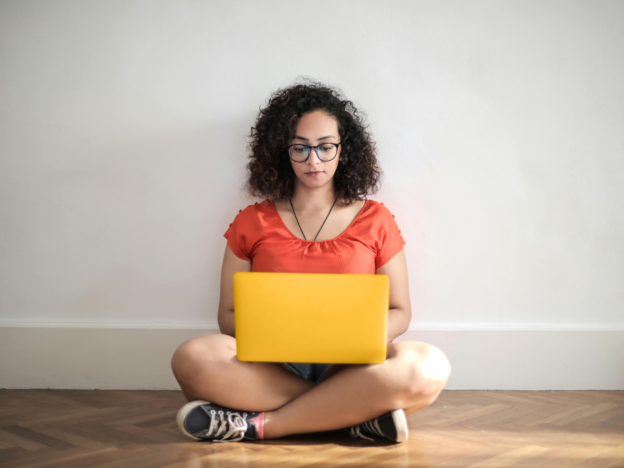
313 174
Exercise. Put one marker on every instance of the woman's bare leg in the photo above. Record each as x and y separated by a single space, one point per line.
335 368
207 369
412 377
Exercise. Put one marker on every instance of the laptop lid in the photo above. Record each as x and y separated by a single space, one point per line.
311 317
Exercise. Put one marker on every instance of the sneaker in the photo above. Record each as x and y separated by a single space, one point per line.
391 425
201 420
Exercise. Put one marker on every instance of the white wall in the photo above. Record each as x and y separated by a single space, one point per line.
122 152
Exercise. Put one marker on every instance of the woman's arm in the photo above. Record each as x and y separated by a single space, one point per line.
400 312
231 264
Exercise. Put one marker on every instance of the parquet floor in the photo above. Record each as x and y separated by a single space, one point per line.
477 429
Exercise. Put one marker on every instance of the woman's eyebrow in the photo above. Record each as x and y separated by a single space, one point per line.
297 137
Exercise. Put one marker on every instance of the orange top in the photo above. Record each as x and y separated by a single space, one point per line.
259 234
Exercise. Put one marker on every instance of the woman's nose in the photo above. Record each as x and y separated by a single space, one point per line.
312 159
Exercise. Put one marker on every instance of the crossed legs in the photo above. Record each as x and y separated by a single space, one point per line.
411 378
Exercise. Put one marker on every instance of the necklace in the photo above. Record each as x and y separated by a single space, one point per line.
293 208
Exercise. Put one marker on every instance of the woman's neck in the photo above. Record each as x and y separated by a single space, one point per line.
307 200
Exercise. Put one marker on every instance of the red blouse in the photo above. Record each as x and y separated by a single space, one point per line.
258 234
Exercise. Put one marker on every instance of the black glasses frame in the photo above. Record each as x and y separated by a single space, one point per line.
315 148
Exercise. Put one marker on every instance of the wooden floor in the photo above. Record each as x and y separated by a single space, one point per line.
59 428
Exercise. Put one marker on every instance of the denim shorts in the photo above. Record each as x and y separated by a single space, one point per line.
312 372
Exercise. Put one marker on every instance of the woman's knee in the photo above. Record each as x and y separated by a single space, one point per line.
427 368
199 352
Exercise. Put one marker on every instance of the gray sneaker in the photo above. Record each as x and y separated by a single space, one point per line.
202 420
391 426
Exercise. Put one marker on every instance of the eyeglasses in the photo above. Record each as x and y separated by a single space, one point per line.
324 151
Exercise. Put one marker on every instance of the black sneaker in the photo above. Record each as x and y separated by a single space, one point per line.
201 420
391 425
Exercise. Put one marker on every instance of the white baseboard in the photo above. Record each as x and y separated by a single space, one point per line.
483 357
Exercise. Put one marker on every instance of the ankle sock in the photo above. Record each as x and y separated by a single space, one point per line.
259 422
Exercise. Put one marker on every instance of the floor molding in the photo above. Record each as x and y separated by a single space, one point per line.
214 327
481 359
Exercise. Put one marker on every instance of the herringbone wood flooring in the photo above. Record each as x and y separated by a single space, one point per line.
71 429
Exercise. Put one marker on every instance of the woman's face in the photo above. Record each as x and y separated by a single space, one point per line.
315 128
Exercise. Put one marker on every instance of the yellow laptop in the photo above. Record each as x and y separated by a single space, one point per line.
311 317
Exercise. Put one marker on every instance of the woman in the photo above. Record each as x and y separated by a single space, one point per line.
311 157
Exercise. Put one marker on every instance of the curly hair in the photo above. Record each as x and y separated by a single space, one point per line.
270 174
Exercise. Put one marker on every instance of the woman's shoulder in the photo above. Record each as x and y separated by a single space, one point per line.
378 219
376 210
253 212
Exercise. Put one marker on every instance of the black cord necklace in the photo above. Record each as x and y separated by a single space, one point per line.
293 208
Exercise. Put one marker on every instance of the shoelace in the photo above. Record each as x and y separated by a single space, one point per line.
371 426
236 423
